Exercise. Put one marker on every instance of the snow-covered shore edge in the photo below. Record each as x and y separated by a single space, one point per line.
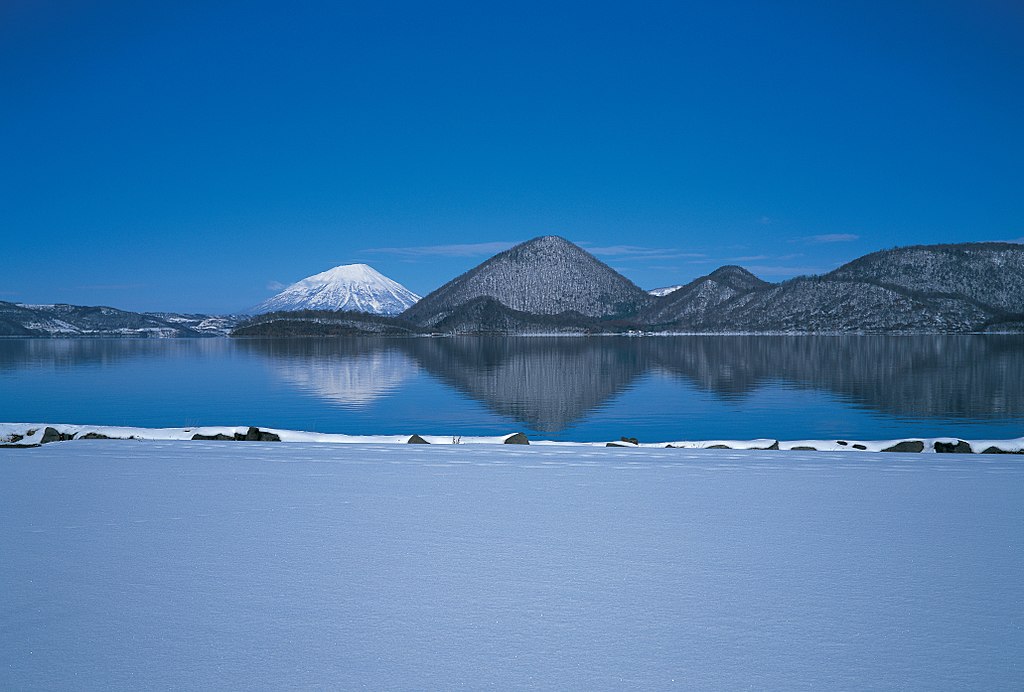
36 434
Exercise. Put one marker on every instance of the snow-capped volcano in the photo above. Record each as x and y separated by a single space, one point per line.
348 287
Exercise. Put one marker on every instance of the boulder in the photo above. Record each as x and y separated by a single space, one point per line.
958 447
416 440
51 435
517 439
218 436
257 435
93 436
251 435
996 450
906 446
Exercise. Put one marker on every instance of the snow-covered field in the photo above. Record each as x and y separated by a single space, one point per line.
206 565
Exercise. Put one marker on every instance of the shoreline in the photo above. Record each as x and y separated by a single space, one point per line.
29 435
502 335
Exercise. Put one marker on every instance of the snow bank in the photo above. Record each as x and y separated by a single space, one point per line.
34 434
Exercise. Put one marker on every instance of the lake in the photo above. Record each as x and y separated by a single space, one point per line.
560 388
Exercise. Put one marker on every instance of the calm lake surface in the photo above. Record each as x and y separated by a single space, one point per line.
596 388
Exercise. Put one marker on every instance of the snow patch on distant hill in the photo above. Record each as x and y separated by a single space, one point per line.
664 291
356 287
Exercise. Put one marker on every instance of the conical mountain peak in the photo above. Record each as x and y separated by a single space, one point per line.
544 276
357 287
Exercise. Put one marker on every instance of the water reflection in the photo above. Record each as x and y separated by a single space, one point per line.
19 354
352 372
546 384
912 376
552 383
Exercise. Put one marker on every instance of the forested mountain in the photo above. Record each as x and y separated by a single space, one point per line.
543 276
291 323
823 305
922 289
549 286
696 301
988 274
62 320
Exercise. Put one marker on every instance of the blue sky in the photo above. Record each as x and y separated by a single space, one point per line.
192 156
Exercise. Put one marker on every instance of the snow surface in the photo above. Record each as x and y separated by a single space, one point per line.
664 291
356 287
135 565
32 434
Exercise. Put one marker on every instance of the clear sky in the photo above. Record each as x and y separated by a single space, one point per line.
193 156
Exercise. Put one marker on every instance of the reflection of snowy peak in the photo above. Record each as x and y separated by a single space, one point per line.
354 381
356 287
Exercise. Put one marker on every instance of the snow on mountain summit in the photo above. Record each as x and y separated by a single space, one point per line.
357 287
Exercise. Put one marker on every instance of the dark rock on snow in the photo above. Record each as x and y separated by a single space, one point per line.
51 435
906 446
250 435
958 447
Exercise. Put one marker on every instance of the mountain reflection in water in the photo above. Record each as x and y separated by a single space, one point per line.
351 372
551 383
570 388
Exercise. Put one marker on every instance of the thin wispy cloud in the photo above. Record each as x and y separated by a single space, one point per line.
109 287
747 258
456 250
276 286
765 221
623 251
832 238
638 252
781 270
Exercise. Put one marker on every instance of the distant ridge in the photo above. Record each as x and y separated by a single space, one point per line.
697 300
349 287
988 274
545 276
61 320
958 288
551 286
